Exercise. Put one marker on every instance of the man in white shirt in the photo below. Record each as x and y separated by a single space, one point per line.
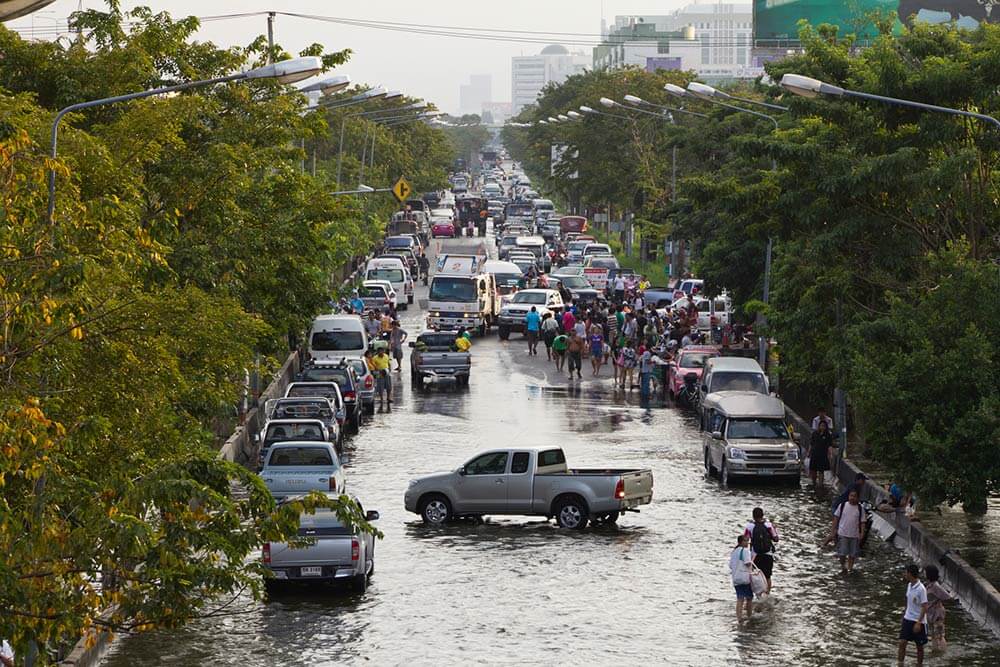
619 288
913 629
6 654
822 416
849 524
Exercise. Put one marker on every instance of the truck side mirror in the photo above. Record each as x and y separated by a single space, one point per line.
371 515
411 343
461 471
717 435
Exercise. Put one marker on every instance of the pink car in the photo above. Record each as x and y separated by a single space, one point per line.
689 360
442 228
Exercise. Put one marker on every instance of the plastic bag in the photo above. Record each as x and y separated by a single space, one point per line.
758 582
807 461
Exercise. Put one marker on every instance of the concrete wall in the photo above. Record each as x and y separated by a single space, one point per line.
978 596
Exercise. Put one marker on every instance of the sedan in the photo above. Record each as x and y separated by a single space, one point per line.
690 360
442 228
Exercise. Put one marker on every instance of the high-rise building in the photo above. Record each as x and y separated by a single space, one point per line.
529 74
714 40
473 95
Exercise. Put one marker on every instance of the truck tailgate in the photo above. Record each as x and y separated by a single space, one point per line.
638 485
293 480
328 550
443 360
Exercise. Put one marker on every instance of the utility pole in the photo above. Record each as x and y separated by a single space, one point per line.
270 37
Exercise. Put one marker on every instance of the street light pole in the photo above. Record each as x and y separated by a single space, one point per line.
286 71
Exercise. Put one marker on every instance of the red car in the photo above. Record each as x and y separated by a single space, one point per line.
689 360
442 228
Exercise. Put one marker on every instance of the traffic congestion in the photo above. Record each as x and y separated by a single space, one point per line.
491 539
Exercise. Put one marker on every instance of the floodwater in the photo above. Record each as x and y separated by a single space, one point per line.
519 590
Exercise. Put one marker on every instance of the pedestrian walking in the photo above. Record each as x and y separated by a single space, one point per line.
550 329
383 381
568 321
740 563
596 348
619 289
372 325
762 536
645 373
850 520
626 365
936 597
914 616
397 336
575 351
6 654
821 451
532 327
559 345
821 416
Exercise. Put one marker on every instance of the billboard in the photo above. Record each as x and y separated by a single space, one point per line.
775 22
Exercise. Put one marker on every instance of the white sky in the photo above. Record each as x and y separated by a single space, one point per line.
431 67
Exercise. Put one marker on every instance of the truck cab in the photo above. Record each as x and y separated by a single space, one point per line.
746 435
462 295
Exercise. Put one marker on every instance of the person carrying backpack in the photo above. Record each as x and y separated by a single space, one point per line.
762 535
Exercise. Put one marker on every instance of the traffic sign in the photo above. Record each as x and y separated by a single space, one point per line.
401 189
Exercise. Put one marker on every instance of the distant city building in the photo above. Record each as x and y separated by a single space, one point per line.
473 95
712 39
529 74
496 113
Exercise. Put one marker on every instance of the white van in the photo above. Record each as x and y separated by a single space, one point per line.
393 269
334 337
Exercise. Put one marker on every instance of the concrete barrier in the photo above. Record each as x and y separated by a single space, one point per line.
978 596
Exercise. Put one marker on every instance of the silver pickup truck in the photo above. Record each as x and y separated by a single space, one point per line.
435 356
294 468
529 481
335 554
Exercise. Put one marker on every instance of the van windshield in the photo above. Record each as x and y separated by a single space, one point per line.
332 341
453 289
736 381
392 275
751 429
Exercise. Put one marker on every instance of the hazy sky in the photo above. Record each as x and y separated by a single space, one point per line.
427 66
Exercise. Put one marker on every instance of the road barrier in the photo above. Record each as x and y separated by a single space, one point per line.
978 596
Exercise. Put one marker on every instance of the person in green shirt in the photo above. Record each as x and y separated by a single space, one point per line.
559 345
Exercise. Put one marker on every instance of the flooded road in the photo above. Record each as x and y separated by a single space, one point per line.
654 589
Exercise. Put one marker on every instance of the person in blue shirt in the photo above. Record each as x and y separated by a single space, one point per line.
532 325
357 305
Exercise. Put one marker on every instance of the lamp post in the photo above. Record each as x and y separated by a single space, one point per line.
809 87
286 71
710 94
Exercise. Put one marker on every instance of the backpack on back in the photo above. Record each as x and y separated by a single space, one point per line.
760 538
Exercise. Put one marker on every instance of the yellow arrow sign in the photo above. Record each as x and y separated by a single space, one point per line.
401 190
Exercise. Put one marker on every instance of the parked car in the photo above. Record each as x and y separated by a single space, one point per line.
285 430
337 336
581 289
435 356
343 373
328 390
746 435
335 553
377 294
690 361
529 481
310 407
299 466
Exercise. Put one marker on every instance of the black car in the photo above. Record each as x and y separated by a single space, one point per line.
432 199
345 377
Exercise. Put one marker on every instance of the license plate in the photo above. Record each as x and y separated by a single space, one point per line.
311 572
765 471
295 482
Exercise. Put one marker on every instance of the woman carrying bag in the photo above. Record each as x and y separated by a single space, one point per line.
821 452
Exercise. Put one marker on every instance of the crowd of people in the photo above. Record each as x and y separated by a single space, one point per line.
625 333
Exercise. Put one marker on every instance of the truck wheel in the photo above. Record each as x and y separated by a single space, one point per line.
504 332
709 468
571 513
482 330
724 474
435 510
360 582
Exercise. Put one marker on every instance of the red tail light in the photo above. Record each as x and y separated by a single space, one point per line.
620 489
355 549
349 395
369 381
267 552
333 484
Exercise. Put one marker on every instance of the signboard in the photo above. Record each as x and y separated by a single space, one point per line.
458 265
775 22
597 277
401 190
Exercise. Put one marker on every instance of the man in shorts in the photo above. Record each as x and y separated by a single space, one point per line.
559 345
849 524
913 628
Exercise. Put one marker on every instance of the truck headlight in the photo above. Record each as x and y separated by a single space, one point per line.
736 453
793 454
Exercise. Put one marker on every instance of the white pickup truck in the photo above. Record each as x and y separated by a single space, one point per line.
529 481
297 467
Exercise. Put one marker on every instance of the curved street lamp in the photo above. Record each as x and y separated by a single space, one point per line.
706 92
284 72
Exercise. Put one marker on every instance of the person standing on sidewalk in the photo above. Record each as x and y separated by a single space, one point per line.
849 524
740 563
914 616
532 327
575 351
762 536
